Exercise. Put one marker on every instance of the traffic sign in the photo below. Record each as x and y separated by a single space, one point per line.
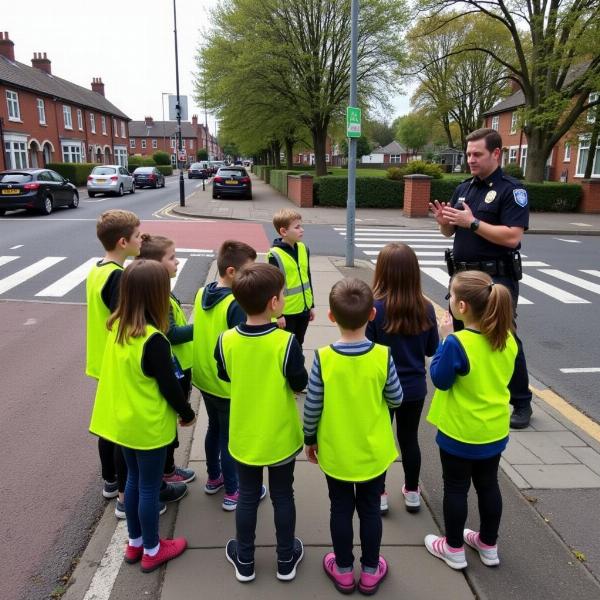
182 156
353 118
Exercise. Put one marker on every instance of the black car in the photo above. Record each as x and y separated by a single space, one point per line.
36 190
148 177
199 170
232 181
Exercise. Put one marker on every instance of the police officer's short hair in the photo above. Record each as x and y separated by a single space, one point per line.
492 138
254 285
351 302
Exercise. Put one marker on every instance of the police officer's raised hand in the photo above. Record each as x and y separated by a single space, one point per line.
437 208
458 218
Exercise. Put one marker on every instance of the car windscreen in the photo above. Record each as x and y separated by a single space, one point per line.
143 170
104 171
15 177
231 173
196 166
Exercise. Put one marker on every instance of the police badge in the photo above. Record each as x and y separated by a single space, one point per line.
490 196
520 197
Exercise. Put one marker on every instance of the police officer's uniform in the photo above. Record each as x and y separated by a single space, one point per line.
498 200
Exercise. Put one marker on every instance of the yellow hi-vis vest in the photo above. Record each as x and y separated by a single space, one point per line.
354 435
129 409
183 352
475 409
264 425
208 326
97 315
297 291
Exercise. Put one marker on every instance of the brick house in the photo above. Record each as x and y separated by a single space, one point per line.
568 158
148 136
45 118
306 156
392 154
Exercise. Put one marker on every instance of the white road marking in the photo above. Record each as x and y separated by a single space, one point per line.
28 272
422 246
30 322
70 281
4 260
591 272
438 274
581 224
182 262
572 279
200 250
581 370
552 291
568 241
376 252
392 230
432 240
15 247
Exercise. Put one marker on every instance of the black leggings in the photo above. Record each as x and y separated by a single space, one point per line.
458 473
298 324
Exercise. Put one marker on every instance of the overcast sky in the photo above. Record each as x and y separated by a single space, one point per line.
129 44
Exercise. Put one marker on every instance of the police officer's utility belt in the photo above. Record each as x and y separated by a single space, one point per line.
509 266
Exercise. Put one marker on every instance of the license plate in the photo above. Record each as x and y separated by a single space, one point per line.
231 182
100 180
12 192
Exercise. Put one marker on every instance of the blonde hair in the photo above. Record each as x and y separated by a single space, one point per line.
285 217
114 224
490 303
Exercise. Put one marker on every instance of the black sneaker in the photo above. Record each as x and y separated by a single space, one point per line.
244 572
172 492
110 489
520 417
286 569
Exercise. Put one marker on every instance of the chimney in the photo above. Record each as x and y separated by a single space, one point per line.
7 47
149 121
194 119
97 85
41 62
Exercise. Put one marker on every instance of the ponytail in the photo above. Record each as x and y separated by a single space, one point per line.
154 247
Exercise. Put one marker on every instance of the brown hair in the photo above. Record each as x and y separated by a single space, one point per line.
397 282
254 285
492 138
114 224
234 254
154 247
285 217
490 303
351 302
143 297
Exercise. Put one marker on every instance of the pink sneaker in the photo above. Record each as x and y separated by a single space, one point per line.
343 582
454 558
487 554
369 583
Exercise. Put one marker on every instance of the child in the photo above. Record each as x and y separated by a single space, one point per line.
292 258
265 366
216 311
179 334
347 430
471 370
119 234
137 403
405 321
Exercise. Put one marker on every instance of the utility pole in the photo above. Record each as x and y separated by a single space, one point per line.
178 107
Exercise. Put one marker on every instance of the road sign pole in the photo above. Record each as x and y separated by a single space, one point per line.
179 144
350 117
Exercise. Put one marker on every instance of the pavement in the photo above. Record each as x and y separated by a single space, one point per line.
550 480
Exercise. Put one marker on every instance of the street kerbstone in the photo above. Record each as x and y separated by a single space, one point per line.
548 445
559 476
521 483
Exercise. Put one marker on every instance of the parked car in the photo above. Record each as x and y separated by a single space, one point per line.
215 165
36 189
110 179
232 181
148 177
199 170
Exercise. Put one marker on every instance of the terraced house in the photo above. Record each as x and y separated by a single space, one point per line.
46 119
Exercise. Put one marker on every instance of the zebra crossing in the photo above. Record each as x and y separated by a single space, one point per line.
27 274
429 246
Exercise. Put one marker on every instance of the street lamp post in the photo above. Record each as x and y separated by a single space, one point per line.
178 107
162 100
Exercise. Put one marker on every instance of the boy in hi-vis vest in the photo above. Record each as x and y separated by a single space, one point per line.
265 366
347 430
292 258
216 311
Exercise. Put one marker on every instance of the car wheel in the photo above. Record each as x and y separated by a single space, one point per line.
92 194
47 206
214 196
121 191
163 183
74 200
249 196
155 185
132 190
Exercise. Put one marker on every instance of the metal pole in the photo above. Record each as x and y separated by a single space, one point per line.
179 141
162 101
351 201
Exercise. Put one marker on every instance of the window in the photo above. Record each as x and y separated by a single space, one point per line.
173 142
143 143
71 153
67 117
154 143
191 144
512 155
513 123
567 157
523 161
12 103
41 108
79 119
131 142
123 129
394 158
16 154
115 129
103 121
92 123
121 157
592 112
582 157
495 122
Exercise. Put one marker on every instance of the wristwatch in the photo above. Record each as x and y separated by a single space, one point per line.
474 226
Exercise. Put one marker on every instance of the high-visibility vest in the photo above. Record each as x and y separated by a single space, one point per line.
97 315
297 291
129 409
183 352
264 425
475 410
209 324
354 436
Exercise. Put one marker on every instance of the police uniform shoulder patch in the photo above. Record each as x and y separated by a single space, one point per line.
520 196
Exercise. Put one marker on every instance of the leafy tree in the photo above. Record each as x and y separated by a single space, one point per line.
161 158
413 131
202 154
363 147
381 133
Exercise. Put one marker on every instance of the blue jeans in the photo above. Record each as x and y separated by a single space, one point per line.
216 443
142 506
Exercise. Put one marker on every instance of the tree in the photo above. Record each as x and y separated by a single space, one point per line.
362 146
413 131
161 158
202 154
556 62
380 133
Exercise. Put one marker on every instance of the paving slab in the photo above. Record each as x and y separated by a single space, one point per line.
558 476
589 457
517 454
517 479
542 421
548 446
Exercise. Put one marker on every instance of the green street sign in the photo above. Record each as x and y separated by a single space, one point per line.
353 117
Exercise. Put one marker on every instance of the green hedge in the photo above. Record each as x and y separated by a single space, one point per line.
76 173
161 158
264 172
166 170
134 161
279 180
371 192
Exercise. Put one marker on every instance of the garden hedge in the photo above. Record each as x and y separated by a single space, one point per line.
166 170
76 173
371 192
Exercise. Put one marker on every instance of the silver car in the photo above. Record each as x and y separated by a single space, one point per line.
110 179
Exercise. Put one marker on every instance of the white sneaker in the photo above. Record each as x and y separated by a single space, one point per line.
412 500
487 554
437 546
384 504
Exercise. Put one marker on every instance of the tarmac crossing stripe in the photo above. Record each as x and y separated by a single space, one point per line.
28 272
578 281
581 370
70 281
591 272
552 291
182 262
6 259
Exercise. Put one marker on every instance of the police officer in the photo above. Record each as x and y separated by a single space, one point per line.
487 216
